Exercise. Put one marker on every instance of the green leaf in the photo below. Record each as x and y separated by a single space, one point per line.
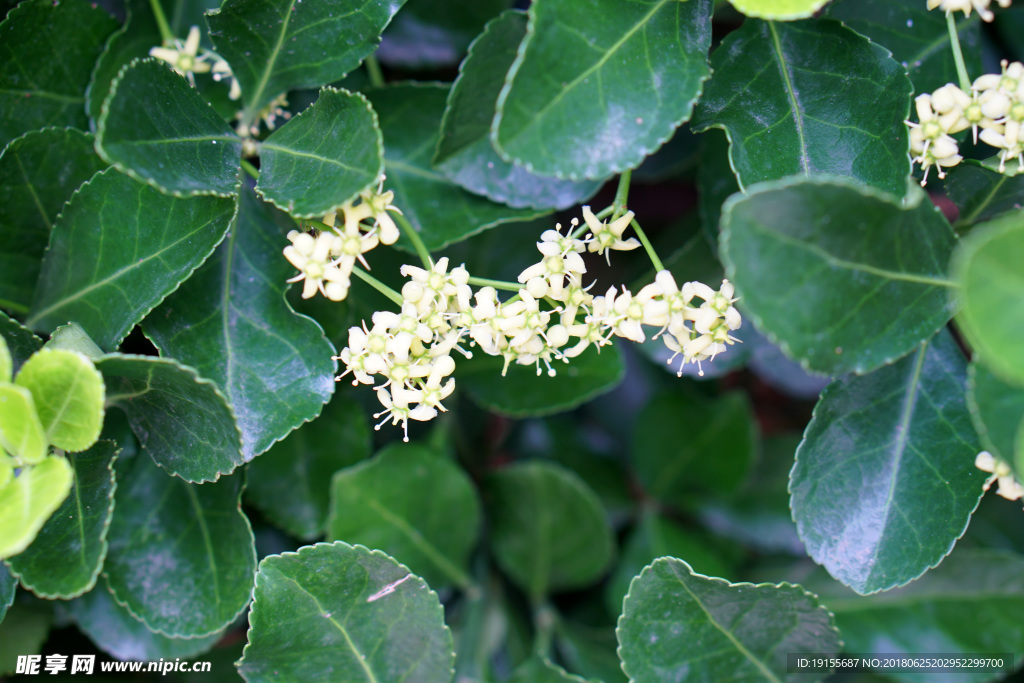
8 587
716 182
21 433
601 94
67 555
443 213
435 33
539 669
968 604
884 481
865 279
548 530
156 128
6 362
23 632
781 10
590 650
68 395
291 482
278 45
117 250
917 37
230 321
982 193
414 504
20 341
464 153
132 41
658 536
175 544
115 631
680 625
685 446
524 393
47 51
72 337
38 173
28 500
991 294
781 122
344 613
182 421
997 411
323 157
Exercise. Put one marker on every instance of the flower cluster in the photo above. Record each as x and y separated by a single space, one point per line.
325 261
1009 487
552 317
995 105
966 6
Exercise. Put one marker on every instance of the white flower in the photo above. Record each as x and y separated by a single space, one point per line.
605 236
312 256
1009 487
183 57
966 6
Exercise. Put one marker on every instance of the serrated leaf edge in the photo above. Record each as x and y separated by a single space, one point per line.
104 546
358 549
613 168
101 129
714 579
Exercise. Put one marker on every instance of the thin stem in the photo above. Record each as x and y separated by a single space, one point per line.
417 243
544 618
161 22
497 284
958 56
374 72
250 169
378 285
655 261
621 195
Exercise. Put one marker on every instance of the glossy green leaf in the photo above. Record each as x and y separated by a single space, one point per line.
278 45
291 482
588 97
158 129
780 121
548 531
117 250
982 194
917 37
132 41
115 631
865 279
21 433
435 33
653 537
344 613
28 500
323 157
175 544
997 410
38 173
68 395
47 51
686 446
442 212
8 587
590 651
539 669
969 604
991 294
884 481
524 393
716 182
72 337
231 323
6 361
464 153
677 625
182 420
781 10
414 504
21 343
67 555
